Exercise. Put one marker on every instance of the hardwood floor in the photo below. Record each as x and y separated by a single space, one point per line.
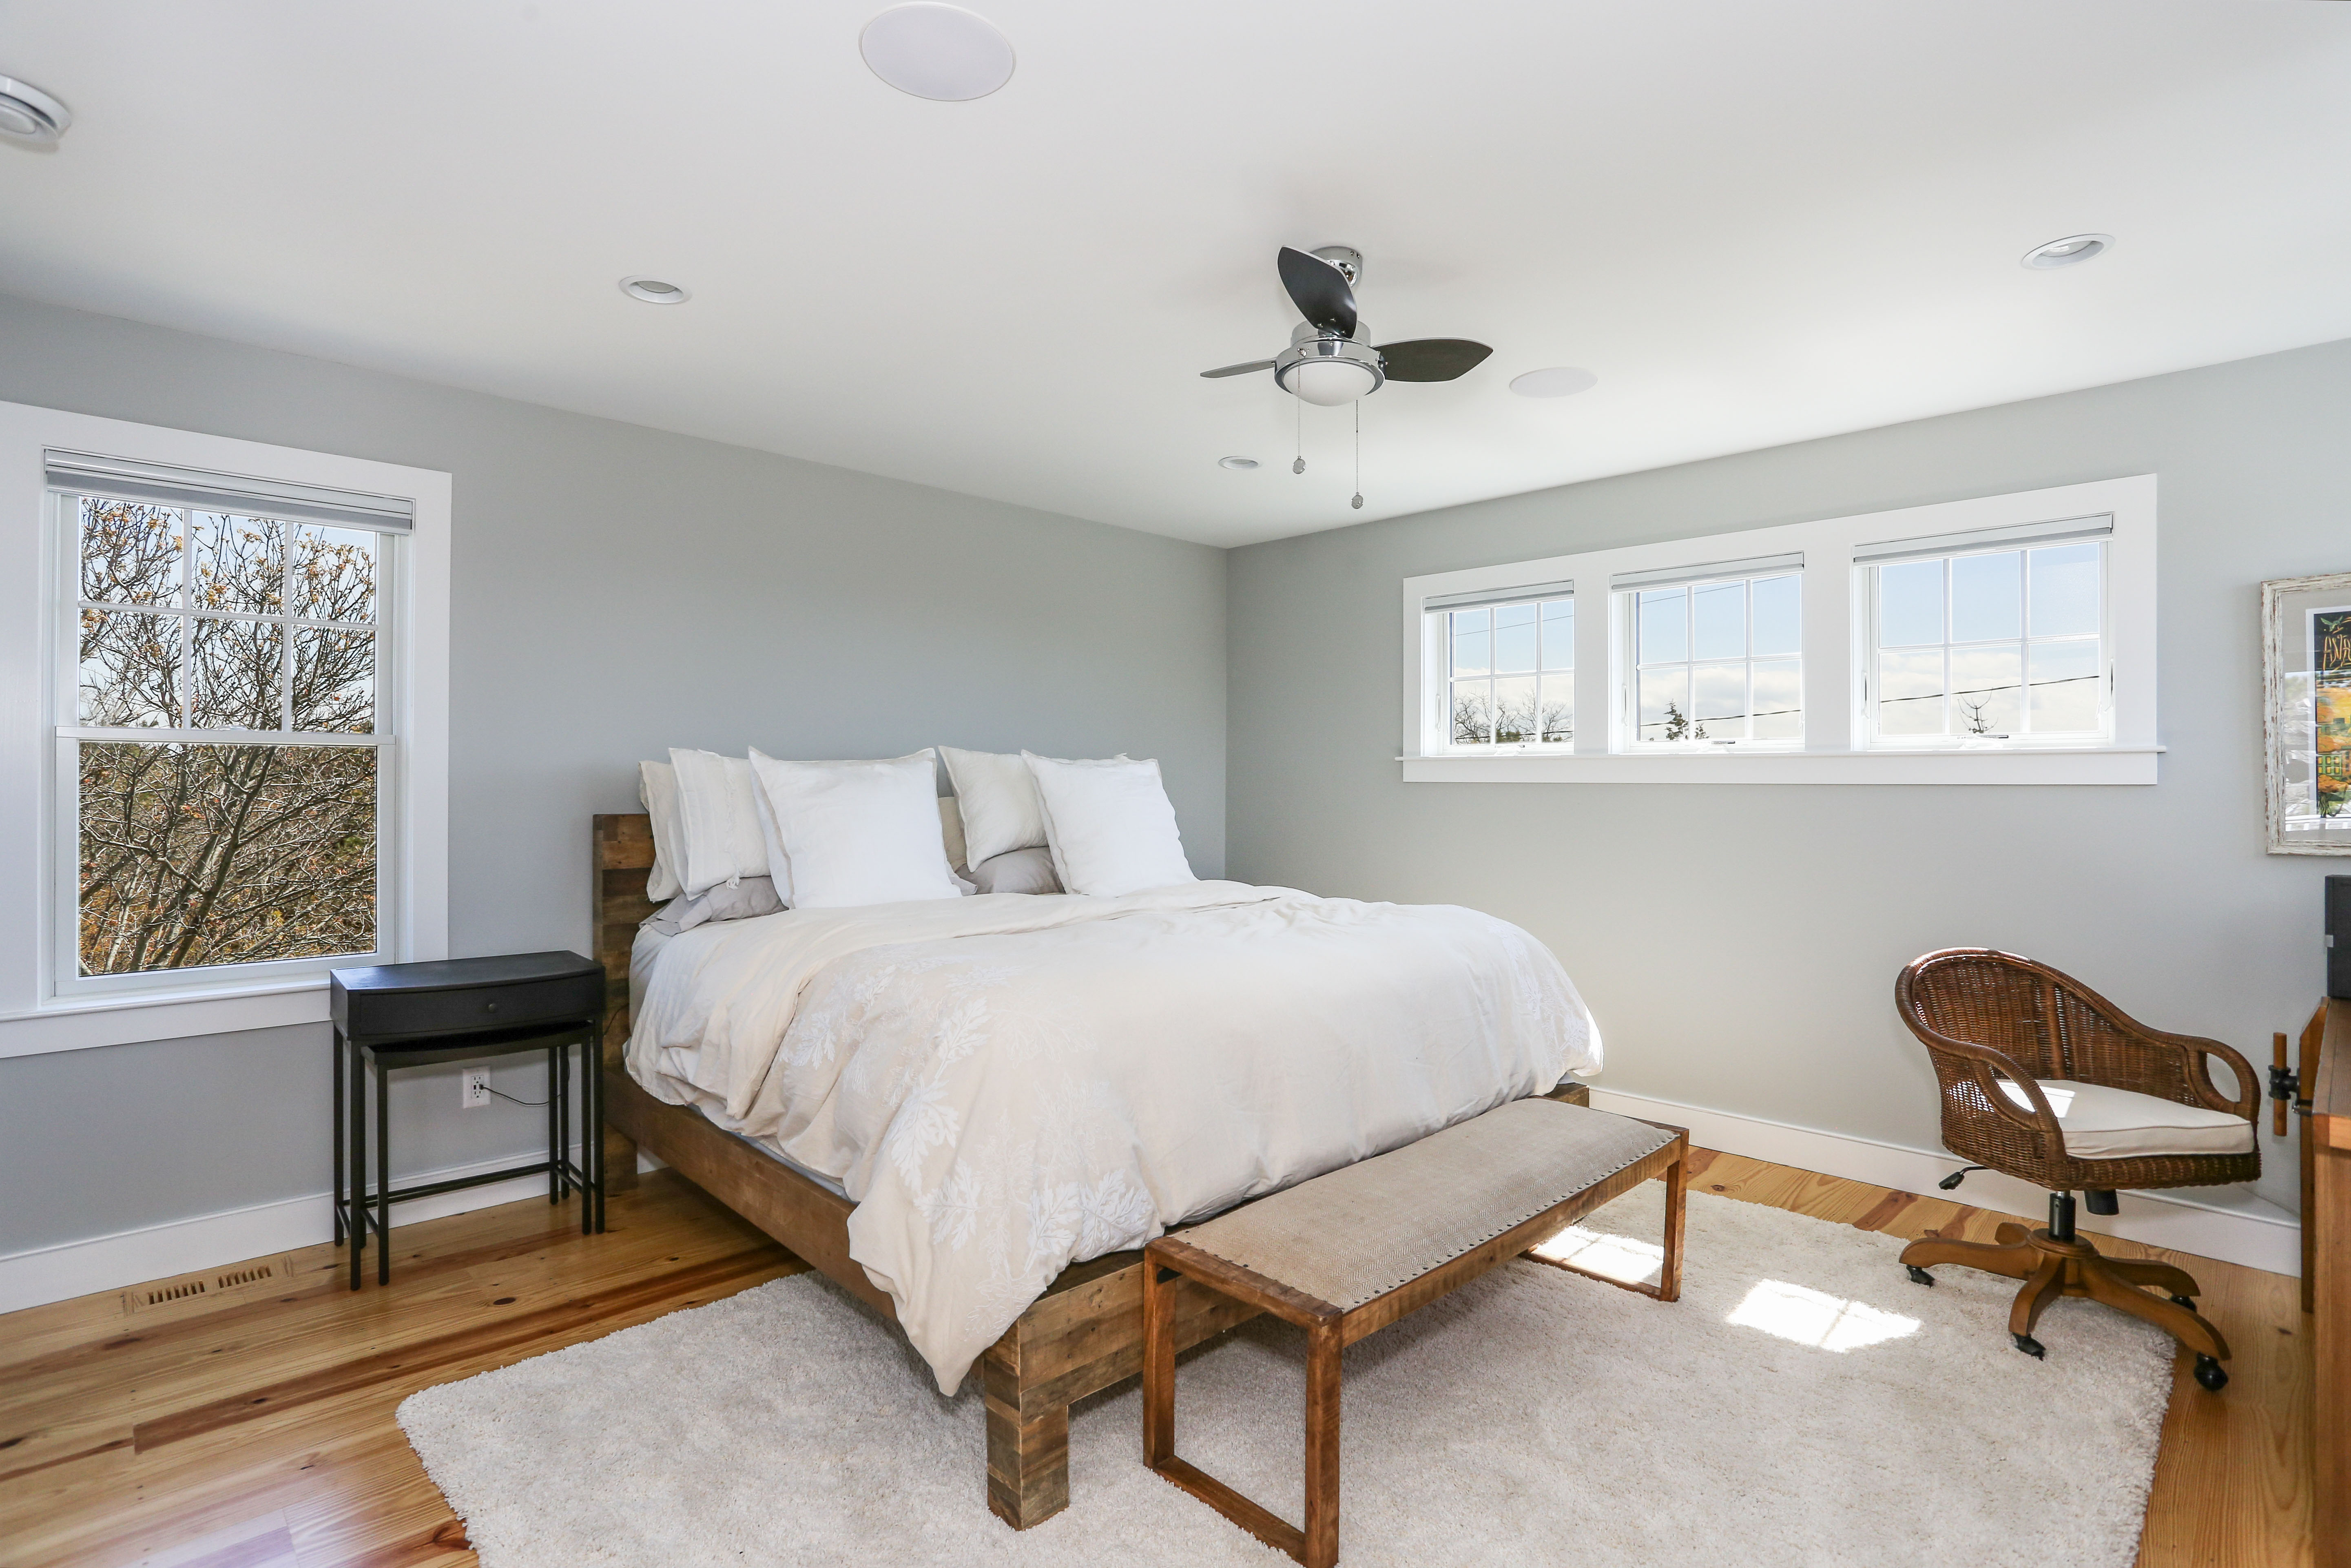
255 1429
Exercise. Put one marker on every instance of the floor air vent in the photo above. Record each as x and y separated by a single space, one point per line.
205 1285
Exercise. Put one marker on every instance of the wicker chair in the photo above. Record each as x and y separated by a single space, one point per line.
2015 1044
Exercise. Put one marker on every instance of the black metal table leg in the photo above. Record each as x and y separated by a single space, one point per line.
590 1137
563 1116
554 1154
383 1174
337 1117
356 1175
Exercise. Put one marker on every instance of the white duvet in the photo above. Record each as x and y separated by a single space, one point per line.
1007 1085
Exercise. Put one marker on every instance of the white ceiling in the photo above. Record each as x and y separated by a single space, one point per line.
1755 223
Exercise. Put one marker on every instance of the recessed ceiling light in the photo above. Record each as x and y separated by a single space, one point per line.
1559 380
1235 461
653 291
936 51
28 114
2067 251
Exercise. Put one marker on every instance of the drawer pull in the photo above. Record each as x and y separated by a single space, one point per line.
489 1007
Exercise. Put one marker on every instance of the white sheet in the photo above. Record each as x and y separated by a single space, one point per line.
1008 1084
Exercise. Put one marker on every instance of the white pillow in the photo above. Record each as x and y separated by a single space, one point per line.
657 788
1110 825
858 833
997 799
717 805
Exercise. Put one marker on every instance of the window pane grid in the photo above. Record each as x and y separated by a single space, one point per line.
234 645
1991 646
1510 674
1717 661
229 806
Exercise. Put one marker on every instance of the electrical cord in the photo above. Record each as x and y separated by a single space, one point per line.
504 1095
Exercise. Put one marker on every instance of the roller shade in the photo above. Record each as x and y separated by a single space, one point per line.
2016 538
157 483
1502 596
1713 571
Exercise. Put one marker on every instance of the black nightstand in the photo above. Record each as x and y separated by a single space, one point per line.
464 1009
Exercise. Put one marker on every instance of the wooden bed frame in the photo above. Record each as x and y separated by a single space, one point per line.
1082 1335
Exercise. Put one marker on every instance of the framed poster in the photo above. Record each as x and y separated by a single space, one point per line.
2306 677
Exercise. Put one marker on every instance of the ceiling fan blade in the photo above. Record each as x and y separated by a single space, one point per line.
1236 370
1433 359
1319 291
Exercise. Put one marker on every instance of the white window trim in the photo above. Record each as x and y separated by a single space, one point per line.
33 1018
1835 751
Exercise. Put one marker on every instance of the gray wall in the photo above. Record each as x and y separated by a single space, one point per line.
616 590
1738 945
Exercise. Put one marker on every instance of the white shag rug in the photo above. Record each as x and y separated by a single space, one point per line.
1802 1404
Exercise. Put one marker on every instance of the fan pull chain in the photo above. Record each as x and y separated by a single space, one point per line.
1358 502
1298 433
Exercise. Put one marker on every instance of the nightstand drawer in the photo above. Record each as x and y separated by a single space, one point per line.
381 1014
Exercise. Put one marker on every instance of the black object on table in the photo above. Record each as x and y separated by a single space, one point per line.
462 1009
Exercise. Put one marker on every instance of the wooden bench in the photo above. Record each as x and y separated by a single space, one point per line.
1351 1251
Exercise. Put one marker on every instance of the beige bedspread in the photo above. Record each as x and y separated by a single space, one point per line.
1007 1085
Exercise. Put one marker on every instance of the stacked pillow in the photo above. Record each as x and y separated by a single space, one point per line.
736 837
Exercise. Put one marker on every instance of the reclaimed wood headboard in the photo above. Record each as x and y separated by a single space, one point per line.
623 860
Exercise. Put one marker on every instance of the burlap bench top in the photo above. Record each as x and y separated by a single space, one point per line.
1362 1230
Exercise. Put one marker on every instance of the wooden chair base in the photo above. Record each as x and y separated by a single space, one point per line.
2051 1269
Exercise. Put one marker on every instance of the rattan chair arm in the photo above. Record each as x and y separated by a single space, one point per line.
2197 1067
1983 1062
2248 1102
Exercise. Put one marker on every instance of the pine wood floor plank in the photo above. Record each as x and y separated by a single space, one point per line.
133 1439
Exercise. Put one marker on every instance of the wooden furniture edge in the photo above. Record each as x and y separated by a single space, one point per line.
2326 1222
620 863
1172 1263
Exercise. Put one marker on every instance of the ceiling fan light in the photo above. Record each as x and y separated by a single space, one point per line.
1330 384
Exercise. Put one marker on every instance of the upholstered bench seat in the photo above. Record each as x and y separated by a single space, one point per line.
1351 1251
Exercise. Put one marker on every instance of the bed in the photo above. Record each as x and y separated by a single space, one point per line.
732 1119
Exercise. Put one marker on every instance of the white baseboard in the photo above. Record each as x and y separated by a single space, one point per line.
2241 1229
211 1240
2246 1230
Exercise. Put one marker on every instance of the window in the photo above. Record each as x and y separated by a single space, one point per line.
1714 660
1998 640
1510 671
1990 646
227 805
235 776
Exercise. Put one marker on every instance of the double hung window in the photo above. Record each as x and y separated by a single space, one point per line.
1714 655
224 736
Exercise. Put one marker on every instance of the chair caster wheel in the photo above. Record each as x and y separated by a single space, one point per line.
2033 1348
2188 1302
1918 1276
2211 1374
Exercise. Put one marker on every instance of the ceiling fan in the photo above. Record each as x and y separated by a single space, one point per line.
1331 360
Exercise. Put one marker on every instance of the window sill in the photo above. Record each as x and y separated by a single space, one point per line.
2083 765
129 1017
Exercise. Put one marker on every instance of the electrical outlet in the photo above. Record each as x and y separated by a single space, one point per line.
475 1084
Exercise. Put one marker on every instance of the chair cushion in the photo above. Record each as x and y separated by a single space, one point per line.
2102 1123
